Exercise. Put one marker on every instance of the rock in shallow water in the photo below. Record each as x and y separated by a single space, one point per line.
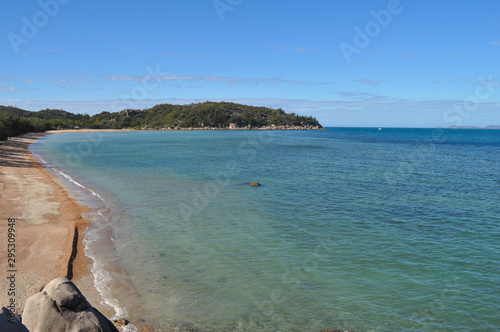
60 306
120 322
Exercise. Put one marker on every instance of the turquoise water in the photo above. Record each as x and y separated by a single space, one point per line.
352 228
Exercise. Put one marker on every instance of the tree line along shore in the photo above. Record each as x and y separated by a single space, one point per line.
207 115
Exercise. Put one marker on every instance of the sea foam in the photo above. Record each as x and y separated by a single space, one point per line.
102 277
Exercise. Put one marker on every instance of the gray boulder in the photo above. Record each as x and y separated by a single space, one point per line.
60 306
10 322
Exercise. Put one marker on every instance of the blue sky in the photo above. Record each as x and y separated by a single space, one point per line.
407 63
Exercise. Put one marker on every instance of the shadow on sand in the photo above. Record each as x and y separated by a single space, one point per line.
12 154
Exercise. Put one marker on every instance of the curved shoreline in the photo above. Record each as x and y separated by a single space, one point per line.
49 221
51 227
105 278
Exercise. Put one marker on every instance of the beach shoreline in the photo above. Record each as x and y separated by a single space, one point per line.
280 128
50 225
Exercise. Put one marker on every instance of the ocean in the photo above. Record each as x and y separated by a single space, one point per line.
352 228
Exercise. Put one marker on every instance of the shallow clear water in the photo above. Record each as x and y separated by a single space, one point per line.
353 228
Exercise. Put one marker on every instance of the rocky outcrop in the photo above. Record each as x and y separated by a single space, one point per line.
232 126
60 306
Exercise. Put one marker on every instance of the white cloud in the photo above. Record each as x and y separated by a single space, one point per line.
360 111
170 53
72 80
4 88
51 50
409 55
275 47
206 78
378 51
302 49
369 82
356 94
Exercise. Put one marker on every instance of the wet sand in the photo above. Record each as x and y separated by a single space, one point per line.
49 228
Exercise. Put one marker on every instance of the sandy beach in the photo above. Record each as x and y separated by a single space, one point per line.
49 227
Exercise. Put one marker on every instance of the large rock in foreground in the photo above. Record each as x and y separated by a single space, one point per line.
60 306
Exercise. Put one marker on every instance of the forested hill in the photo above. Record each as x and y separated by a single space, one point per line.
208 115
203 115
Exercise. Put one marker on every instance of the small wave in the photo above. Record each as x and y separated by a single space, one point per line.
65 175
72 180
101 276
101 282
37 156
